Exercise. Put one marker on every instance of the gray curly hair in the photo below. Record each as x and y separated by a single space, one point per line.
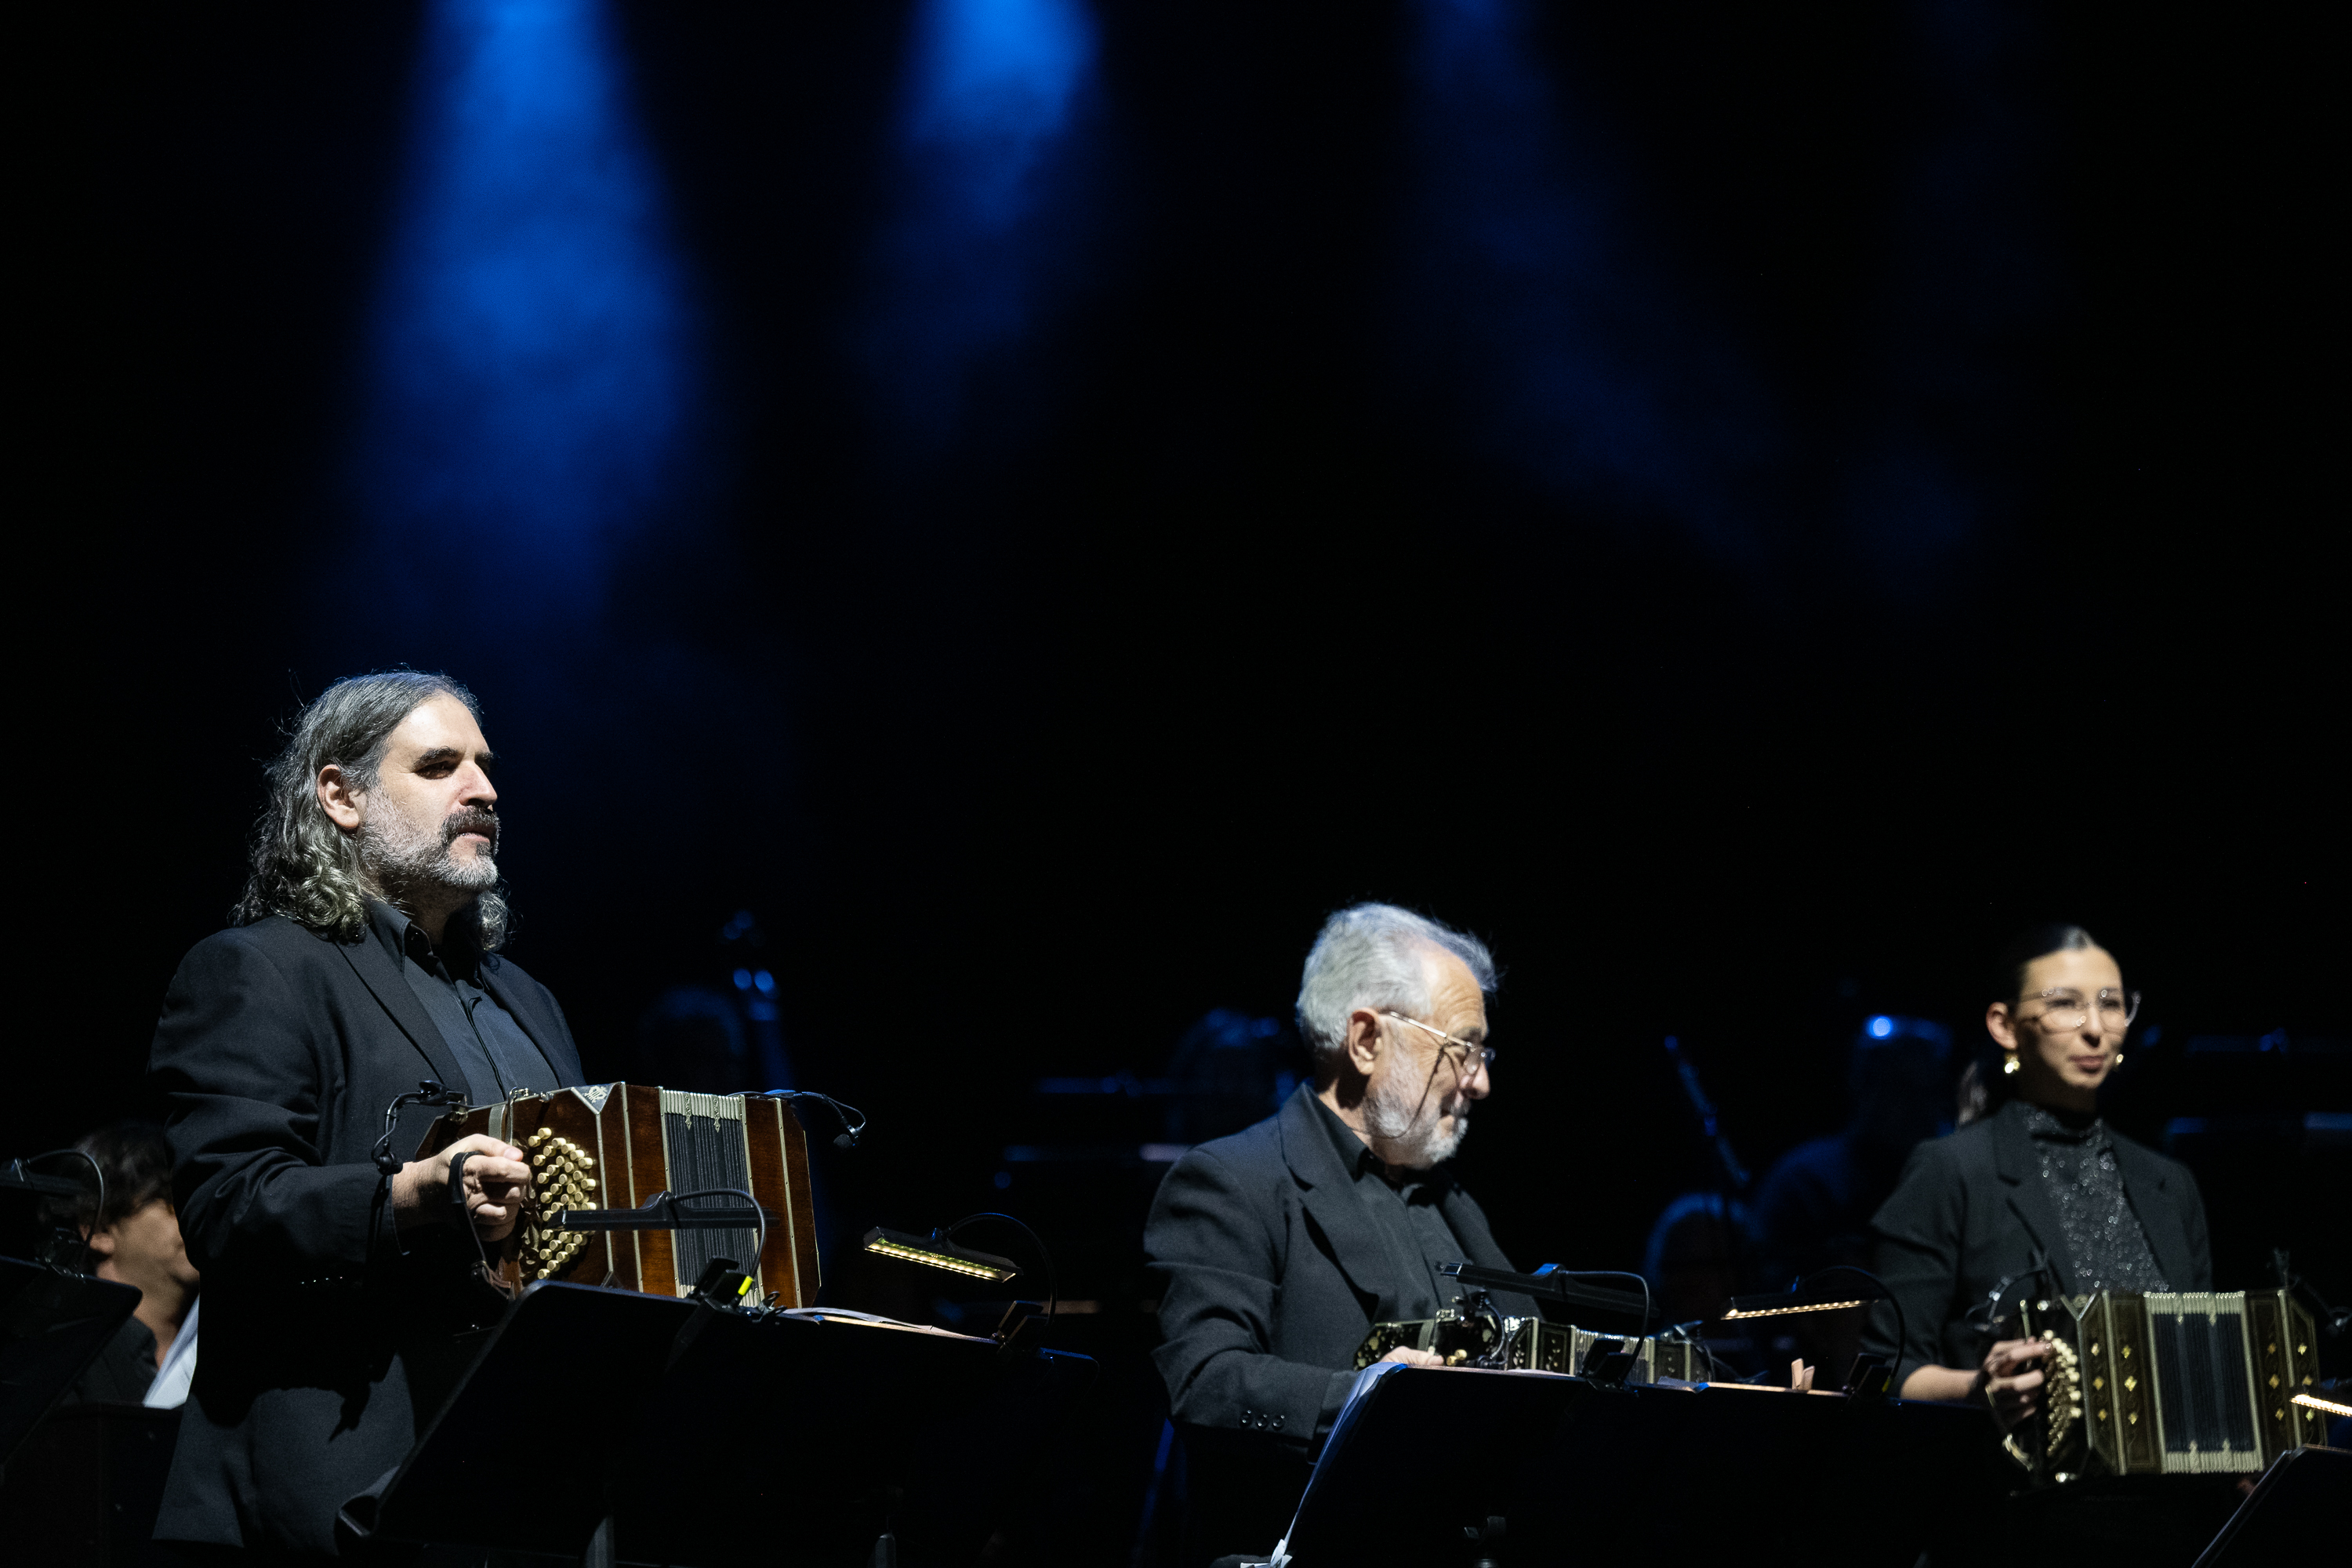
304 867
1371 956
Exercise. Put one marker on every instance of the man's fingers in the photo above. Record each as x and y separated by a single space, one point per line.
485 1170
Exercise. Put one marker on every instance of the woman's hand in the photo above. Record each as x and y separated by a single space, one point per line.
2009 1382
497 1180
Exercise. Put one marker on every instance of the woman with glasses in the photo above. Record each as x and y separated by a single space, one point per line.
2039 1193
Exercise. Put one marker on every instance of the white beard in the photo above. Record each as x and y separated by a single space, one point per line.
1405 1119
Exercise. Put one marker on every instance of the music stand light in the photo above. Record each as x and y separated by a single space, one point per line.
937 1251
1875 1379
1781 1304
2313 1402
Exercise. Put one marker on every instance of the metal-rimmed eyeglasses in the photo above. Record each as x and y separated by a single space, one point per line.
2064 1011
1474 1055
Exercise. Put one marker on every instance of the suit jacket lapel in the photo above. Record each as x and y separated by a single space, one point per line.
2145 1185
2020 1175
1469 1228
390 988
1329 1192
526 1011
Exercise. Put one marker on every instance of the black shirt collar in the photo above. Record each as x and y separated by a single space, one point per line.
456 959
2063 1126
1357 1157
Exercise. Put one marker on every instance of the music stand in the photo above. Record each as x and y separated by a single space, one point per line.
695 1431
1446 1465
52 1325
1418 1457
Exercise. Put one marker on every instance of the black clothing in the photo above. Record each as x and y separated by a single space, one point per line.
1272 1270
328 1333
498 1057
123 1371
1404 1207
1274 1262
1813 1207
1972 1209
2104 1242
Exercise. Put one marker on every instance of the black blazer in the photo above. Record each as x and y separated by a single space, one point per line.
328 1335
1970 1209
1270 1276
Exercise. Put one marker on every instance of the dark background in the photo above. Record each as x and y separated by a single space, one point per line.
1233 598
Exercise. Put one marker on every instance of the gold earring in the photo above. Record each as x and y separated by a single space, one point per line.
2008 1062
2119 1058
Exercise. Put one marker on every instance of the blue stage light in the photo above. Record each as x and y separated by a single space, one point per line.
531 365
742 980
765 981
1531 294
1881 1027
992 98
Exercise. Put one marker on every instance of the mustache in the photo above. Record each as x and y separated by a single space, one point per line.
472 819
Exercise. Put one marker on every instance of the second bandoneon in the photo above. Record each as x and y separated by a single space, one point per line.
617 1145
2171 1383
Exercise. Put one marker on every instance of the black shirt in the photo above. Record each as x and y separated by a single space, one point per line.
497 1056
1402 1205
2106 1244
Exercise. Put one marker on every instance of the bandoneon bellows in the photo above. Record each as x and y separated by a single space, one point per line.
616 1145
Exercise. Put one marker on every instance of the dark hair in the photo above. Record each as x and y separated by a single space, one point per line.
1984 1087
304 867
2008 982
137 1163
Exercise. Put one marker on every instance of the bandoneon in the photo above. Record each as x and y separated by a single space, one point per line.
2168 1385
1479 1339
616 1145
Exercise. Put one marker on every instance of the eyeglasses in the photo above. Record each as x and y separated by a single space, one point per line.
2063 1011
1474 1056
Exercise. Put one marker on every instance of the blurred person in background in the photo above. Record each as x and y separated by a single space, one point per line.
1814 1207
134 1239
1701 1253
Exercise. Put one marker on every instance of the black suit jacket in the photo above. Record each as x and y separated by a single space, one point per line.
328 1334
1970 1209
1270 1276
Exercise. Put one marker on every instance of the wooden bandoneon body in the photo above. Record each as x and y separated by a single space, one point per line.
2182 1383
614 1146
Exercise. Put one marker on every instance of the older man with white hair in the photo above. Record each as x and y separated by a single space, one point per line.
1278 1249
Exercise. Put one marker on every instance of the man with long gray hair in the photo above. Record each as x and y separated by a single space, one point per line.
1278 1249
364 960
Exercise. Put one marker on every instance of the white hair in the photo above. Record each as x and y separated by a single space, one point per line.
1372 956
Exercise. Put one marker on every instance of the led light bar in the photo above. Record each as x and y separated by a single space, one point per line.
938 1252
2313 1400
1751 1307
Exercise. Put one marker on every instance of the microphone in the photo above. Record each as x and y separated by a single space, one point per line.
851 1120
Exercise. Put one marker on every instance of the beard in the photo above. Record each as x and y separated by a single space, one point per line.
407 857
1399 1113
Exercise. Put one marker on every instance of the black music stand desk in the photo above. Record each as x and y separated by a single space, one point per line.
710 1438
52 1325
1455 1465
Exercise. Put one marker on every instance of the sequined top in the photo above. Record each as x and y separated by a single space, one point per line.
2105 1246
